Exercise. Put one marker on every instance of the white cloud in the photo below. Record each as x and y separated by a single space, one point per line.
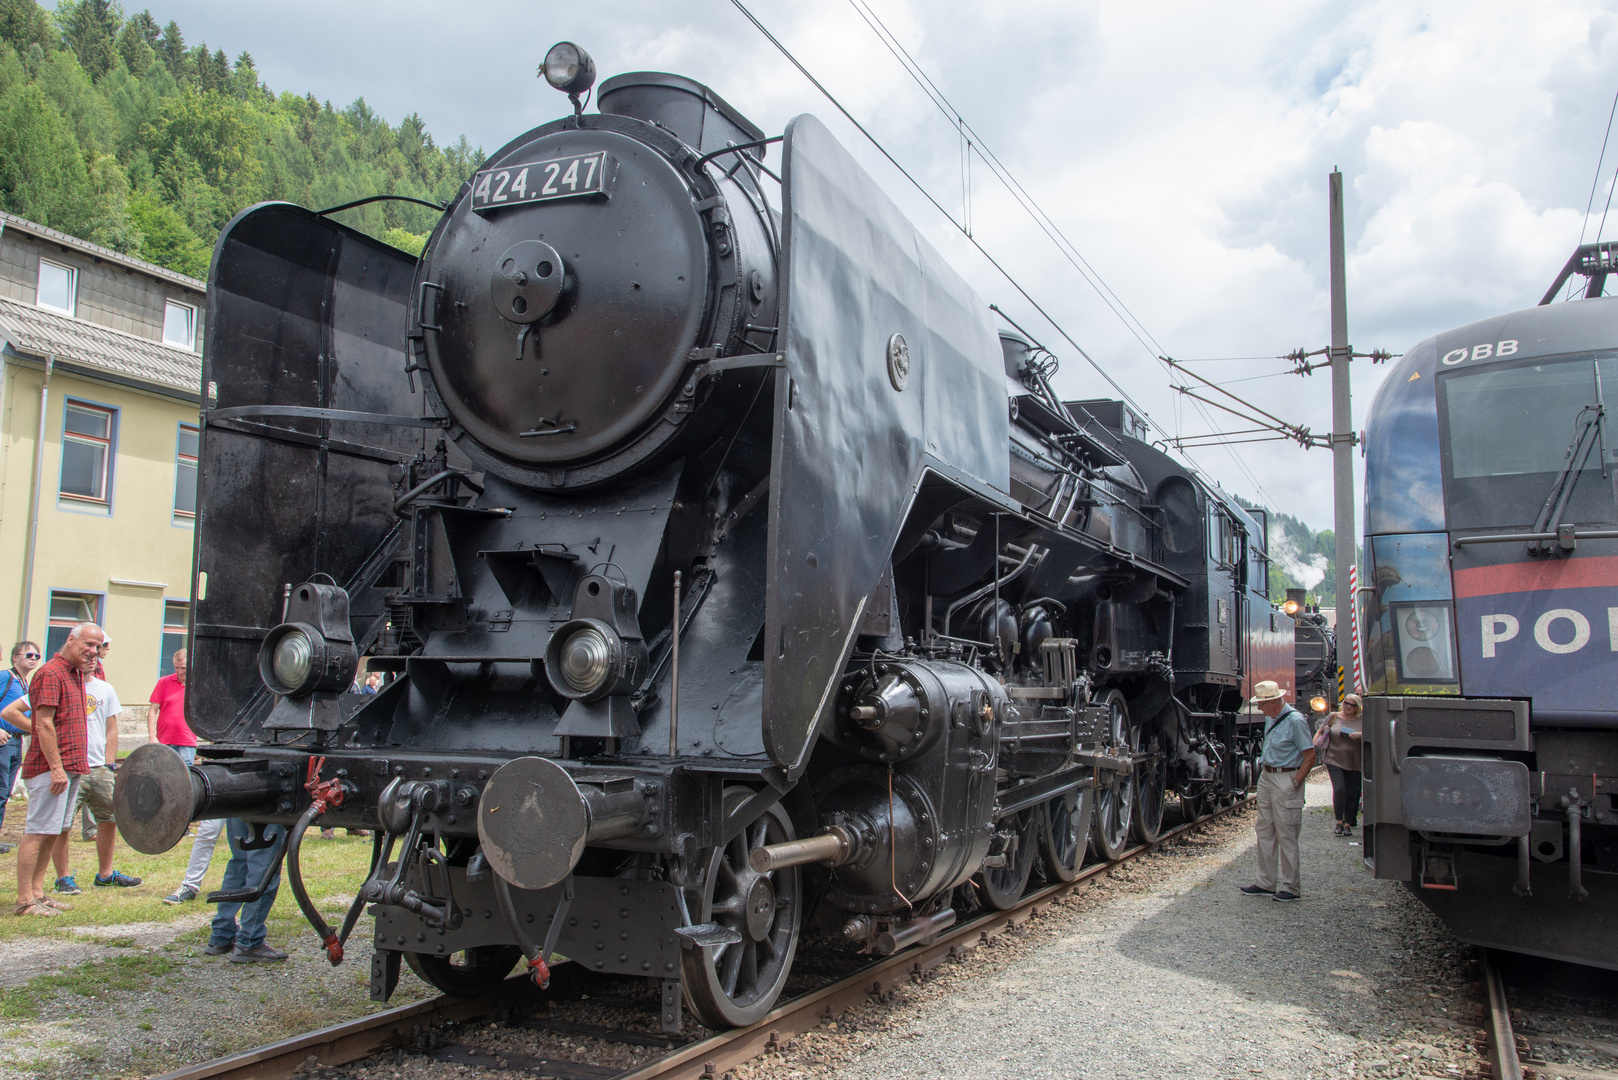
1182 146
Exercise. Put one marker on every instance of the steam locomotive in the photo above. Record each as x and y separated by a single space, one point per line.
1491 615
738 579
1314 656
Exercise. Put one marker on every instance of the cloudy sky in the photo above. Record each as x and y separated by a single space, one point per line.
1183 148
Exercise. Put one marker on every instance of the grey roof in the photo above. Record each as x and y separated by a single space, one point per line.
45 232
33 331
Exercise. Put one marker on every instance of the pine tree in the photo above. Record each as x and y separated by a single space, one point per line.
23 23
137 43
90 29
172 50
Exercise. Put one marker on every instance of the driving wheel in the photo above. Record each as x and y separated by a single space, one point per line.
1065 832
1151 781
733 985
1003 886
1115 791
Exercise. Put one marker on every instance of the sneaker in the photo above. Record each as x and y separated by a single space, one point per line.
1285 897
265 953
116 879
1254 890
183 894
328 834
5 849
67 886
211 949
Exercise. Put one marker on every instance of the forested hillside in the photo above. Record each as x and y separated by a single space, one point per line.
114 130
1299 556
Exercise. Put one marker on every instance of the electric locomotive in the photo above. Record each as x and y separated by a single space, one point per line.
737 579
1491 723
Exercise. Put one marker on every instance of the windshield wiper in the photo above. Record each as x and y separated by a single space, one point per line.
1578 452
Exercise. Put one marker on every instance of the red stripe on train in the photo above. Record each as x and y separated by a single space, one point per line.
1539 576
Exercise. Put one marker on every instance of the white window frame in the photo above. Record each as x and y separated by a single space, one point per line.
72 287
109 443
190 345
165 661
181 458
94 602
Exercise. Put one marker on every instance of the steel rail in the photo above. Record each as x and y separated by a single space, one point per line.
1501 1039
406 1025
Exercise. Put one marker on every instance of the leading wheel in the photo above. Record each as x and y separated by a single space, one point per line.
1197 806
1065 831
469 973
1003 886
1115 791
734 985
1151 781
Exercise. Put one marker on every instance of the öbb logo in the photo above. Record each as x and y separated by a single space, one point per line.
1549 633
1485 351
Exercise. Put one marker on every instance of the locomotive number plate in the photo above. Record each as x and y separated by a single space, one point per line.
542 181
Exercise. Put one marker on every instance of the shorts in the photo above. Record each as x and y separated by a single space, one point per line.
96 792
50 815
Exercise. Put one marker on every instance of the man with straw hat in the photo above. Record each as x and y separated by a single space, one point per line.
1286 755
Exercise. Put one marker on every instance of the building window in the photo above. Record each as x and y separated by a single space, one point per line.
176 621
87 452
69 609
185 473
58 287
180 325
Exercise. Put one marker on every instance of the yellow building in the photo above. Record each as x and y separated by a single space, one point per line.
100 373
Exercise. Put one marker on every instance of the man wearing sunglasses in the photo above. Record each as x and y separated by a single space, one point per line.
13 685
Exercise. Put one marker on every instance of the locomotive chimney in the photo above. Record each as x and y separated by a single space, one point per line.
701 118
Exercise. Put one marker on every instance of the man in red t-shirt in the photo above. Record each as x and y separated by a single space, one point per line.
56 762
165 720
165 723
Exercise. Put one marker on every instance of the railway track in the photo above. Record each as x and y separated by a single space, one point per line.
431 1027
1544 1020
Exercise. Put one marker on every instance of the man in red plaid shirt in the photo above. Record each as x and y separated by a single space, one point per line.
56 762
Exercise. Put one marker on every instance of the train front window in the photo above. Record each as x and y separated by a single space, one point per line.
1508 433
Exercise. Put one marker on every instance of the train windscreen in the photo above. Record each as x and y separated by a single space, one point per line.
1509 432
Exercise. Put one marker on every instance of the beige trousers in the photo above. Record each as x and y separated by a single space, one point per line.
1280 817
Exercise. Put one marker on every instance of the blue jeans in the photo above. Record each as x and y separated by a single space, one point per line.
243 871
10 762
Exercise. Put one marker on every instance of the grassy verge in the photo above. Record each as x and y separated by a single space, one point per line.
332 869
98 978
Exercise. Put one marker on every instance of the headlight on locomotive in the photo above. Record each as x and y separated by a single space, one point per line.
1318 703
296 659
587 660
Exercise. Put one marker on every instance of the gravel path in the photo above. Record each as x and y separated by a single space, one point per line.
1167 971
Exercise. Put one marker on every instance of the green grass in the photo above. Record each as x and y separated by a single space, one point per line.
332 869
94 979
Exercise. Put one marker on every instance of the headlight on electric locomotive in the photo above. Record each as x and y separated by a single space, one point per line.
587 660
296 659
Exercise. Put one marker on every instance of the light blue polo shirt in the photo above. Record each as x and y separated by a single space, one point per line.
11 688
1289 736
